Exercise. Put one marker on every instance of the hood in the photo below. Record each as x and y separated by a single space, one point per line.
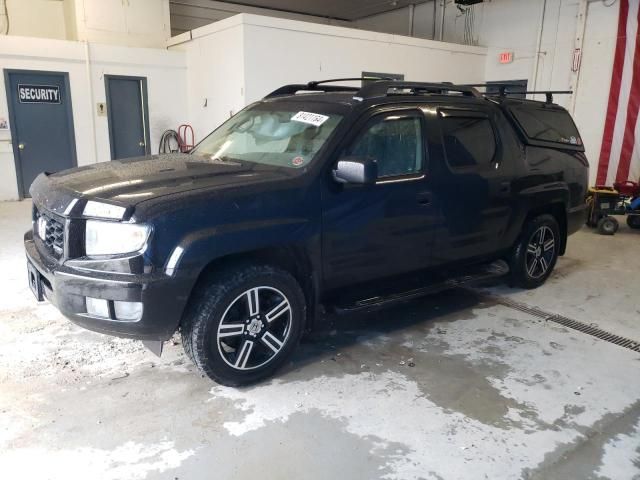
135 180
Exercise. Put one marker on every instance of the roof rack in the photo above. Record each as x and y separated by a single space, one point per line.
314 86
502 91
382 89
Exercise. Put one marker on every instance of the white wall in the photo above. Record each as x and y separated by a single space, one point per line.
36 18
166 83
136 23
216 65
283 51
499 31
501 25
166 88
239 60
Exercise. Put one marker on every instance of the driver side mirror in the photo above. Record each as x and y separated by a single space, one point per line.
358 170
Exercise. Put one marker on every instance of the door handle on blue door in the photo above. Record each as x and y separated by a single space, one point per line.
424 198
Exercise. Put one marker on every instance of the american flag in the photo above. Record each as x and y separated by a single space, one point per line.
620 152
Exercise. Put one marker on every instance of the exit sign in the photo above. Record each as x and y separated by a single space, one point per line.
506 57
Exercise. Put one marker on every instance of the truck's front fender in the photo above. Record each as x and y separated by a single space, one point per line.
201 247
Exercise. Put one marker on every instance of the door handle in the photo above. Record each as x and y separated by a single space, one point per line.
505 187
21 146
424 198
141 144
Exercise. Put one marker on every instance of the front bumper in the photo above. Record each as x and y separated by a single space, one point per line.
163 297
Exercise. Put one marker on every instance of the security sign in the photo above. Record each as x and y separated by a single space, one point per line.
38 93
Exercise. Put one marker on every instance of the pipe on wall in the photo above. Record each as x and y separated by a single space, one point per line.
87 58
443 9
578 45
4 15
538 45
412 9
435 12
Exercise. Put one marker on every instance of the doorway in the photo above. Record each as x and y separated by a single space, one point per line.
41 120
128 116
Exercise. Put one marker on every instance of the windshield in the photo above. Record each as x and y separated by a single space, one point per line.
283 137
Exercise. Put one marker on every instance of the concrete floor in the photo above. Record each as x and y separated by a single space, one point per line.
452 386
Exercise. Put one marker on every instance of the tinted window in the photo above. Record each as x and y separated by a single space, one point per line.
547 124
468 141
395 142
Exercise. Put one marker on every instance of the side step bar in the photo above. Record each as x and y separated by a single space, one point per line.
476 274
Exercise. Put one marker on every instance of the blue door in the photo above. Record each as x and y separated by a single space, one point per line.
41 121
128 116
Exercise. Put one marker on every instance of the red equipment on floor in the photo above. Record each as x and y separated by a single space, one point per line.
628 188
186 137
621 199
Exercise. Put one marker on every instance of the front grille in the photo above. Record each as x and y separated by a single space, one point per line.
50 229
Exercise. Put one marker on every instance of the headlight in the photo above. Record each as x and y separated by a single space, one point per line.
109 238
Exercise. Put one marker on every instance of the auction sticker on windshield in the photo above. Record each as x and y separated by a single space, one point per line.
314 119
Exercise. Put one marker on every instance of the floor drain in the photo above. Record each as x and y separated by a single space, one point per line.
567 322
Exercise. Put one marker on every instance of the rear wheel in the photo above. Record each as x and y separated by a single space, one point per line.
633 221
608 226
535 255
245 324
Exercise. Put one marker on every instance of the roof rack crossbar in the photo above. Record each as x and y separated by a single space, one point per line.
547 93
503 91
381 88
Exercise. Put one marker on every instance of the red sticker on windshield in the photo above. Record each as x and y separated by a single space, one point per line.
297 161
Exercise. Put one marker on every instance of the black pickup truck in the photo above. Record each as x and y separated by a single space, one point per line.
320 197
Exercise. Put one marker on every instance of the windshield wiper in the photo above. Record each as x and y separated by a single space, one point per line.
226 161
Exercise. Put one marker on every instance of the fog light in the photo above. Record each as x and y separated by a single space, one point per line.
128 311
97 307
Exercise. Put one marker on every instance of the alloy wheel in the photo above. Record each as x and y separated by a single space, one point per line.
540 252
254 328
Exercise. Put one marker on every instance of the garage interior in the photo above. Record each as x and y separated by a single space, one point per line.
481 382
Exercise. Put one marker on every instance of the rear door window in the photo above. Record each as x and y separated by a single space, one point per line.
469 139
547 124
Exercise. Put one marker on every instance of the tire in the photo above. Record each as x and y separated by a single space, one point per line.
535 254
608 226
235 339
633 221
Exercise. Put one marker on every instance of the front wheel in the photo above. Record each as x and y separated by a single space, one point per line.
534 256
244 324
